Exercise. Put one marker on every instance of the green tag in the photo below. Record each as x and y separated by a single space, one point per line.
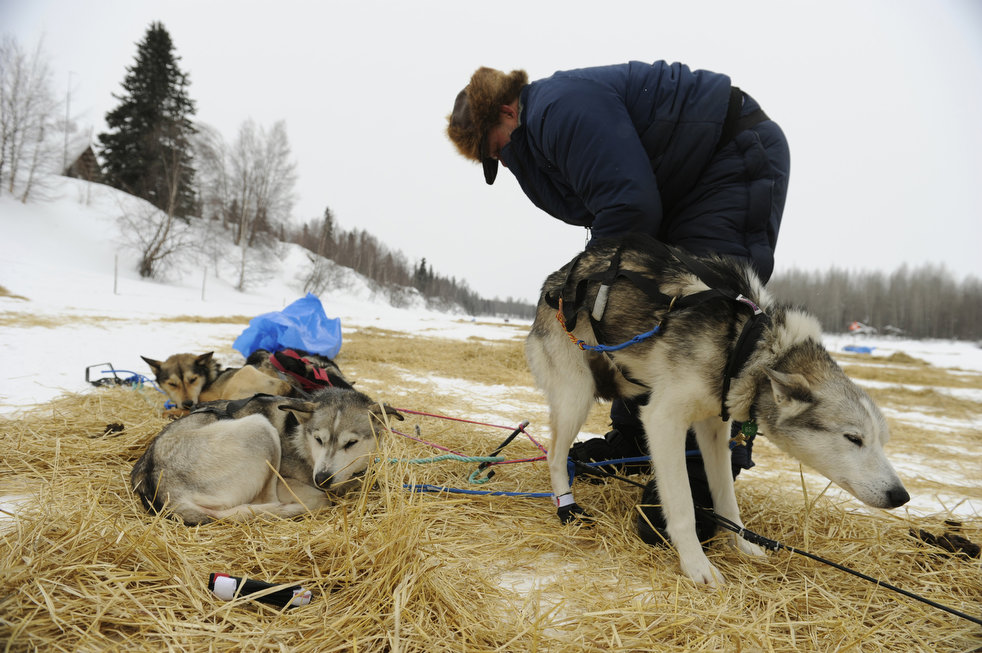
749 429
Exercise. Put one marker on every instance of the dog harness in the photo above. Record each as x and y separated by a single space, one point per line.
230 408
294 364
570 299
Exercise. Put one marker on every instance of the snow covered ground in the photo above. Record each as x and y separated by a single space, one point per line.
71 304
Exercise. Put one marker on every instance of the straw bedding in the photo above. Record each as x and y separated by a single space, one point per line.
85 568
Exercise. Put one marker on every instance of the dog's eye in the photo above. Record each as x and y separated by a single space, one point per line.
855 439
192 379
350 443
319 441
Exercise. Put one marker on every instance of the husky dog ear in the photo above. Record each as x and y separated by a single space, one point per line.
302 410
386 409
792 394
204 359
154 364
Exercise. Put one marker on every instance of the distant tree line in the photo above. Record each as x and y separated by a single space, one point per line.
365 254
921 302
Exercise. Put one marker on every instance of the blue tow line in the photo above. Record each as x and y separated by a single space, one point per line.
636 339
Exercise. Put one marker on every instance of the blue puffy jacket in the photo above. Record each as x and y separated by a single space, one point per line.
633 148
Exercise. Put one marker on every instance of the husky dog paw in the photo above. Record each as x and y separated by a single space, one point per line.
574 513
748 548
702 571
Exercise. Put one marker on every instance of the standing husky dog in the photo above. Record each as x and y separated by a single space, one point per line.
189 379
707 342
222 460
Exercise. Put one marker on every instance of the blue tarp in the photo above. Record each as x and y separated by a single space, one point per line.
859 349
303 325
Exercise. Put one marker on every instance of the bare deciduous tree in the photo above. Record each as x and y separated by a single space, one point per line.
250 186
211 156
317 277
262 178
28 120
158 234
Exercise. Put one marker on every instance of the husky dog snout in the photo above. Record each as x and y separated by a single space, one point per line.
339 439
819 416
897 496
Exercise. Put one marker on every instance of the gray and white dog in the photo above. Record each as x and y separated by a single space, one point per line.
265 454
707 343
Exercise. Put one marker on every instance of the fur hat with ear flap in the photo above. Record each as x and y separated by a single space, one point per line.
476 111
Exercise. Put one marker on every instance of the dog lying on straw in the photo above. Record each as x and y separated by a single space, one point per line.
264 454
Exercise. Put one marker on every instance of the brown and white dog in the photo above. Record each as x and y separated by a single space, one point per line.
190 379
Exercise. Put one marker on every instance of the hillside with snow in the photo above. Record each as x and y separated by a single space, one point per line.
73 297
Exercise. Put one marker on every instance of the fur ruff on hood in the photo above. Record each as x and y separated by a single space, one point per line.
477 106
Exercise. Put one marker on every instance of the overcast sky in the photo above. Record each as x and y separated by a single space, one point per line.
881 101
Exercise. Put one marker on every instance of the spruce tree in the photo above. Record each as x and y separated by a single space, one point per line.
147 150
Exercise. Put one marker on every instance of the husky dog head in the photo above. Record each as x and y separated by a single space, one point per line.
184 376
814 412
338 437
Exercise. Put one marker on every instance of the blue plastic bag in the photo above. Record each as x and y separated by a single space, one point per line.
302 325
